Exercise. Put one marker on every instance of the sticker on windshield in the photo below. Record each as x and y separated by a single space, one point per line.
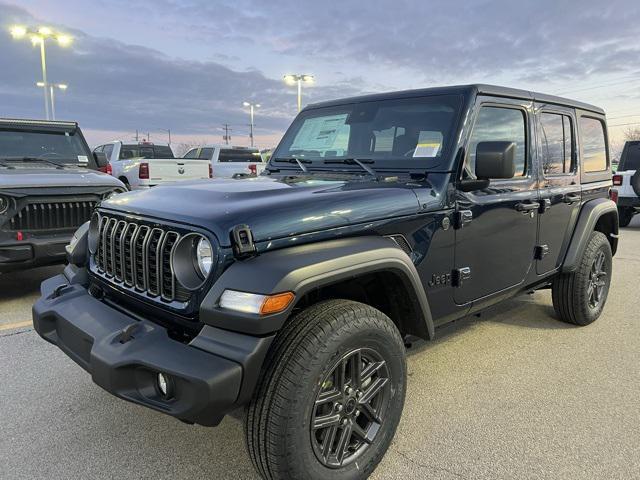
426 150
319 133
83 159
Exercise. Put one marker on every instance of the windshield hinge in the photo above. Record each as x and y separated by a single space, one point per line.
242 241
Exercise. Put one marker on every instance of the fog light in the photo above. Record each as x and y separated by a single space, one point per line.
165 385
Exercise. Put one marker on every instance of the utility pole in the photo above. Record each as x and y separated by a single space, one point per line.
137 138
227 128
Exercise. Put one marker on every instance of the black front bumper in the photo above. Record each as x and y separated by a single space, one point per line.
33 252
209 374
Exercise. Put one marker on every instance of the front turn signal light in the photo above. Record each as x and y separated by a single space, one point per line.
276 303
256 303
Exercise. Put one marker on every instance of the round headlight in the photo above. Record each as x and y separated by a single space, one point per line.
192 261
4 205
204 256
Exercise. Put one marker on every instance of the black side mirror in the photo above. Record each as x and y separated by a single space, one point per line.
101 159
495 160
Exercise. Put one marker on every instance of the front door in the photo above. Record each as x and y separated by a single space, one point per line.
497 226
560 192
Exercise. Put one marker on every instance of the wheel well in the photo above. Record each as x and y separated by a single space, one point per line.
124 179
385 291
608 224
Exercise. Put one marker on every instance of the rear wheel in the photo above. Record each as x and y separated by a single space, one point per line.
580 296
331 395
625 214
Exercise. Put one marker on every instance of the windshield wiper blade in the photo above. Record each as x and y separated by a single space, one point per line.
355 161
299 161
33 159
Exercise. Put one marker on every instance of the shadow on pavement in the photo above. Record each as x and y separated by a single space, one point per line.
26 282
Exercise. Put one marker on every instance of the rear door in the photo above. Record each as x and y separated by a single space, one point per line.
560 192
496 231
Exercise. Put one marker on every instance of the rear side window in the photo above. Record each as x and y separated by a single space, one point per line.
108 150
594 150
498 124
145 151
193 153
206 154
556 143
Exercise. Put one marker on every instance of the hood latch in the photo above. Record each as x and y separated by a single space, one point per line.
242 241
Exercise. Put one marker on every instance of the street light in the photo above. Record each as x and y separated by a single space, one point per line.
38 38
252 107
299 79
168 130
52 86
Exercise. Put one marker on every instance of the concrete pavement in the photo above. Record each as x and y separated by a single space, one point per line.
513 394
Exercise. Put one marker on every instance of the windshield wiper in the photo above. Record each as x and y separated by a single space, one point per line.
295 160
354 161
33 159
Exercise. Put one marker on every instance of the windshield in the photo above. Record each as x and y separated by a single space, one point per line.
409 132
630 159
145 151
61 147
239 155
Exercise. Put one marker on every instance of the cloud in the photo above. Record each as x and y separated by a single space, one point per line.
114 86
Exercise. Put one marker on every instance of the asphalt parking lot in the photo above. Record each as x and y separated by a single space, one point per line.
513 394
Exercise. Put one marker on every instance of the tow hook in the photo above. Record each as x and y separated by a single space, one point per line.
126 334
58 291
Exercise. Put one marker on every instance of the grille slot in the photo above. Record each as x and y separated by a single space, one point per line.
138 256
402 243
52 216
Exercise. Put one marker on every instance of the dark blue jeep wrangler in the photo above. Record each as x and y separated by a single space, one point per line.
292 293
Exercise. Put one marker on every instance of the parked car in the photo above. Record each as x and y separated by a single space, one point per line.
227 161
378 218
48 187
627 182
141 165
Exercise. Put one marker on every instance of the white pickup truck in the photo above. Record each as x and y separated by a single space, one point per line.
227 161
142 165
626 183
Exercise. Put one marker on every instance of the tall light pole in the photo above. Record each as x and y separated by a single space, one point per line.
168 130
38 38
52 87
251 106
299 79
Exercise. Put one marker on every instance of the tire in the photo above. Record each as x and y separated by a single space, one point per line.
625 214
301 370
635 182
574 294
126 183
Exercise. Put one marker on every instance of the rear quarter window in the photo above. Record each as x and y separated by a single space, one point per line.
593 143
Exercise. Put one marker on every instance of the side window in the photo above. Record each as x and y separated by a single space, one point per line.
98 149
594 150
556 143
206 154
498 124
108 149
193 153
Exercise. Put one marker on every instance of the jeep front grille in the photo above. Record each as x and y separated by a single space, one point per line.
139 257
52 216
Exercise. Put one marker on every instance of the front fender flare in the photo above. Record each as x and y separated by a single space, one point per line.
301 269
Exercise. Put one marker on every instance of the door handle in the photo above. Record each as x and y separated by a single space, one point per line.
571 198
527 207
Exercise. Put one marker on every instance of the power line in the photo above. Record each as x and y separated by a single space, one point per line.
624 124
594 87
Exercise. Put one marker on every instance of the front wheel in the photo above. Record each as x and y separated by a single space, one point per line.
579 297
331 395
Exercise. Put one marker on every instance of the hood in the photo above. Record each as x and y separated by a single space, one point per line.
272 207
22 176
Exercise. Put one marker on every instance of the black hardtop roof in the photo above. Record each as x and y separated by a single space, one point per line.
466 90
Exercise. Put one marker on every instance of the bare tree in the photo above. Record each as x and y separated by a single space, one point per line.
632 133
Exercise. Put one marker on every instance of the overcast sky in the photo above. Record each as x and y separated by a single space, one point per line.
189 65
